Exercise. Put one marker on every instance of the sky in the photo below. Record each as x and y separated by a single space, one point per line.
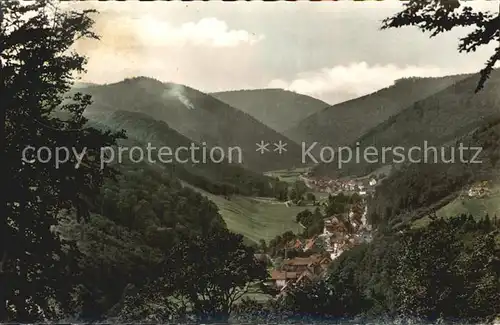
333 51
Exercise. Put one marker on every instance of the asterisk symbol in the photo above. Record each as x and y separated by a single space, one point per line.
262 147
280 147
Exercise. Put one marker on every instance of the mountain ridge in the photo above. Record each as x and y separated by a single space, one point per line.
438 120
198 116
277 108
341 124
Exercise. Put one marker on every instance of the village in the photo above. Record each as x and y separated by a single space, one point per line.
365 186
477 190
340 232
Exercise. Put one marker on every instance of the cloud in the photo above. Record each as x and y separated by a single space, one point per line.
122 32
211 46
198 53
344 82
211 32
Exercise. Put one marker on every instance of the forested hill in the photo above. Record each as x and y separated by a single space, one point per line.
438 119
277 108
132 220
416 190
218 178
198 116
343 123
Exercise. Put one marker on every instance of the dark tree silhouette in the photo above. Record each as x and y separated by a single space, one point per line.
38 68
439 16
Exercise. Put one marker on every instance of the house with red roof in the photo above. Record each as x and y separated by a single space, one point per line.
299 268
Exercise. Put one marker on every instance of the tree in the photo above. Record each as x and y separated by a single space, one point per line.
449 269
292 195
356 198
439 16
300 188
305 217
311 197
308 301
38 68
262 246
211 273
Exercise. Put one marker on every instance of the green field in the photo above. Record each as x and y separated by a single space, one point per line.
287 175
256 218
291 176
477 207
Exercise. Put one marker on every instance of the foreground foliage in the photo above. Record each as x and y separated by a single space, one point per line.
201 277
37 70
440 16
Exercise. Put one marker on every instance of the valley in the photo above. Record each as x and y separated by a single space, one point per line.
305 225
192 200
254 198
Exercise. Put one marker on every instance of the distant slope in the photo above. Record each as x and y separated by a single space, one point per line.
83 84
437 119
277 108
343 123
199 117
217 178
